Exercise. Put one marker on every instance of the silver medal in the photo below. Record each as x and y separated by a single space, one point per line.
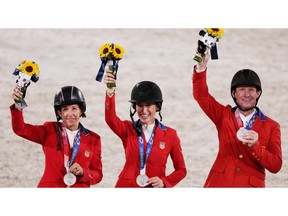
69 179
240 133
142 180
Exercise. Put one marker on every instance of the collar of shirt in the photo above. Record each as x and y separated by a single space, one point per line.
246 119
147 130
71 136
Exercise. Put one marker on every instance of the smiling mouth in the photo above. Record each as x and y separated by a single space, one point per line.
246 100
145 116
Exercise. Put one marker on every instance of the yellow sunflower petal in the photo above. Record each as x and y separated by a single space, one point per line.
105 50
30 68
118 51
215 32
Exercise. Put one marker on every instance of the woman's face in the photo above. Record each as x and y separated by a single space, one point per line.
146 113
70 115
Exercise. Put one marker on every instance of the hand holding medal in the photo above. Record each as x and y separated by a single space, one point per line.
247 136
240 134
26 72
70 177
110 54
209 37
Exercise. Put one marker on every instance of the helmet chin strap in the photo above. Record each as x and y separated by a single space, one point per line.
59 128
138 129
160 115
245 110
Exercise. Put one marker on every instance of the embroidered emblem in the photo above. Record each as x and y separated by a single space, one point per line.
87 153
162 145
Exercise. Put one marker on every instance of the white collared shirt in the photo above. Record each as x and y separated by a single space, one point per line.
147 130
71 136
246 119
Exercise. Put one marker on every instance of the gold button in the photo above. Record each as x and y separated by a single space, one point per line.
240 156
237 169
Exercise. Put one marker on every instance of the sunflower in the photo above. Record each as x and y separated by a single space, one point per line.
215 32
30 68
105 50
118 51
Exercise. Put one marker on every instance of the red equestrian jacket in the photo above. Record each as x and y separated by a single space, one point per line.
166 142
236 164
88 156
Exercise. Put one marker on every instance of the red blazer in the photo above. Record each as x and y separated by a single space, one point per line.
236 164
88 156
166 142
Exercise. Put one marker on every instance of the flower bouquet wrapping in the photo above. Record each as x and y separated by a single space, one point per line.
26 72
110 54
209 37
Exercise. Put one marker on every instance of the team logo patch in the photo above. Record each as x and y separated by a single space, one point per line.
87 153
162 145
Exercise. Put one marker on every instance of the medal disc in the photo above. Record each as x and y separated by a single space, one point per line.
240 133
69 179
142 180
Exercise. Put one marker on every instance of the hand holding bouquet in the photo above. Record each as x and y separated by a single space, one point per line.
26 72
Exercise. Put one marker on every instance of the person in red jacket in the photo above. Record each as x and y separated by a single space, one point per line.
72 152
147 142
249 141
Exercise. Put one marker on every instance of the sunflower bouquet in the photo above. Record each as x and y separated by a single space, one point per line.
110 54
26 72
209 37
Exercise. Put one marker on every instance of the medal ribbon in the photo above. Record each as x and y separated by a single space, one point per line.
68 163
240 123
143 159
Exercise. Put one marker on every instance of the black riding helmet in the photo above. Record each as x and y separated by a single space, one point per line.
145 92
69 95
246 77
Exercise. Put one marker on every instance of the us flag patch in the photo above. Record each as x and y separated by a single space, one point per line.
87 153
162 145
